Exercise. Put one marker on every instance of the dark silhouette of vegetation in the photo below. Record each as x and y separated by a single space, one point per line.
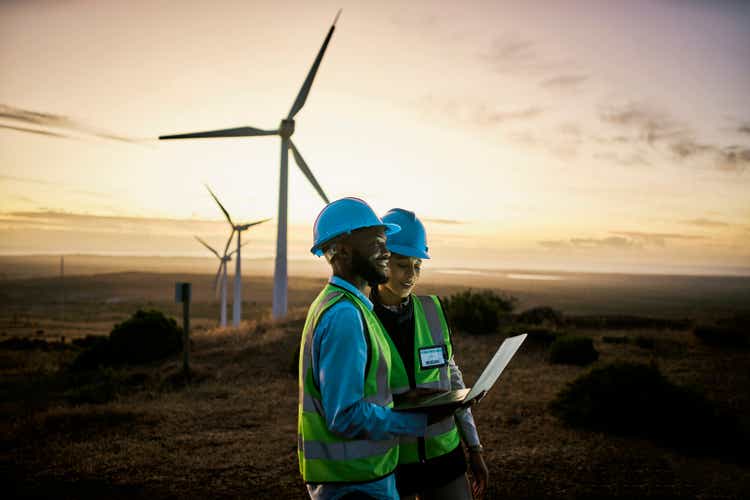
573 351
26 344
615 339
645 342
541 315
635 399
723 335
479 312
625 322
144 337
540 337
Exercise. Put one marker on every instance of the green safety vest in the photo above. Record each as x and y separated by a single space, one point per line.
430 329
324 456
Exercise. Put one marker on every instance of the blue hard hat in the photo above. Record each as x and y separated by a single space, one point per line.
344 216
412 239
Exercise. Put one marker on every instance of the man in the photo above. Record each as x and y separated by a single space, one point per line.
347 432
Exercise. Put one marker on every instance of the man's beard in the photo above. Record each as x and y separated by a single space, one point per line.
373 274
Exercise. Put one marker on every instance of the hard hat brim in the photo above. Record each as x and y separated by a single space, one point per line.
389 230
407 251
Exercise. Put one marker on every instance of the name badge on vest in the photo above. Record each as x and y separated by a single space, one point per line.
432 357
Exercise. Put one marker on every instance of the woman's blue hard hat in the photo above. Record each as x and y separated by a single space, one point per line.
344 216
411 241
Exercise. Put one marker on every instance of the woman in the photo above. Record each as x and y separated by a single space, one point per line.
433 467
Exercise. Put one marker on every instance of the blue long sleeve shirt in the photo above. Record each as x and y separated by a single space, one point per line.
339 359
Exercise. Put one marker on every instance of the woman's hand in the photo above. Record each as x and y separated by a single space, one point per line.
479 474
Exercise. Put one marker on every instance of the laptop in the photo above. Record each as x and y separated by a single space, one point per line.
484 383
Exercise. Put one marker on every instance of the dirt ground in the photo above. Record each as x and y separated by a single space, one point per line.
231 433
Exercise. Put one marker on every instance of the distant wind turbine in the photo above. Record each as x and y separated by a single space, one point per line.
238 228
285 131
222 273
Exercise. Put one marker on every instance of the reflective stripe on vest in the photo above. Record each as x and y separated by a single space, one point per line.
327 457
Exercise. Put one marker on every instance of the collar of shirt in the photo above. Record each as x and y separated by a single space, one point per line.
342 283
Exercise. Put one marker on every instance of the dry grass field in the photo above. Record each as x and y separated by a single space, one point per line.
231 432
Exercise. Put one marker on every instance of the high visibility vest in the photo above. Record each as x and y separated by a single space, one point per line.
430 329
324 456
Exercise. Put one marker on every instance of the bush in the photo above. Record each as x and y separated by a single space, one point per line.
540 336
573 351
541 315
723 336
637 400
479 312
98 353
144 337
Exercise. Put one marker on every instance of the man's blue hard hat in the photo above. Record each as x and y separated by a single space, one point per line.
412 239
344 216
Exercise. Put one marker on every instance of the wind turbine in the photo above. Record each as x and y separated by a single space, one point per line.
238 228
222 272
285 131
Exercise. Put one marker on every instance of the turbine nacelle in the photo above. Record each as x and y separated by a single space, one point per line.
286 128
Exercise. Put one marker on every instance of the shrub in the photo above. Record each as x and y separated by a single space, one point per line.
573 351
723 336
144 337
542 315
479 312
540 336
637 400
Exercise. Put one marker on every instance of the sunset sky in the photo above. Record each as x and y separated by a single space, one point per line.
603 136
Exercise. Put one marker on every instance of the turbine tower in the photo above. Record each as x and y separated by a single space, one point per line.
238 228
285 131
222 272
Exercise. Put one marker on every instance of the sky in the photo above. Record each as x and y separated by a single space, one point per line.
577 135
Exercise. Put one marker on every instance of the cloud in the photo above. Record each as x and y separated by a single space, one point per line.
444 221
609 242
553 243
657 239
564 82
41 182
626 160
488 117
706 223
649 125
479 114
46 120
677 140
733 159
626 240
511 54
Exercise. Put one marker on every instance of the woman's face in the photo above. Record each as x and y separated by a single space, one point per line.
404 274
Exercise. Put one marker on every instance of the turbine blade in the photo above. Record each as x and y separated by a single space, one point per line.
235 251
220 206
227 132
251 224
209 247
218 272
229 241
308 173
302 96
